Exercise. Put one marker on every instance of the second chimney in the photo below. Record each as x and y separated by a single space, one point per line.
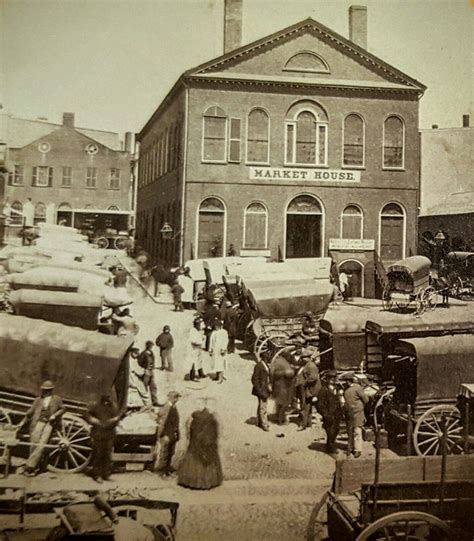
68 120
232 25
358 25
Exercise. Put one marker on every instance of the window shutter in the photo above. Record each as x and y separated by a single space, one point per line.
50 176
234 140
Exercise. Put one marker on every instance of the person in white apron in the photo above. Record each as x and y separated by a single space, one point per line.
218 349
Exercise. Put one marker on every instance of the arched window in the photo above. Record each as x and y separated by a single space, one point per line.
307 61
16 213
393 143
258 135
306 135
40 213
304 227
352 223
255 226
65 206
353 141
392 232
214 143
211 228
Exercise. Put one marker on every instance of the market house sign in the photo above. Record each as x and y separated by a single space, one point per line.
325 175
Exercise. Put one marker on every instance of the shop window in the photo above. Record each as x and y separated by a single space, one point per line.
40 213
258 135
353 141
17 176
306 135
66 181
255 226
351 223
393 143
214 145
234 140
42 176
307 61
16 213
114 181
392 232
91 177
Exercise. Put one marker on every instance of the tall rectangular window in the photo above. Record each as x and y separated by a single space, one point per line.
353 149
42 176
16 177
91 177
234 140
114 181
67 177
393 143
258 136
214 146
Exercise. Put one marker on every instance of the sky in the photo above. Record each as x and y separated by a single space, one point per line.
111 62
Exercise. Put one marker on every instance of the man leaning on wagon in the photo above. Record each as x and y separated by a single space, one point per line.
43 416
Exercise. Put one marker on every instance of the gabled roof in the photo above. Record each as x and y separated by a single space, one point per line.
310 24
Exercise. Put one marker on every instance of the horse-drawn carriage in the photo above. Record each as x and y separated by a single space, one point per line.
408 281
83 364
460 272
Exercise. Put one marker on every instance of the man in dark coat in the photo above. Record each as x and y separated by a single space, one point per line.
168 433
43 416
355 401
308 385
103 416
261 388
146 360
329 406
165 342
282 381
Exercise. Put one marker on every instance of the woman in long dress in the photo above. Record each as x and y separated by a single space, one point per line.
201 466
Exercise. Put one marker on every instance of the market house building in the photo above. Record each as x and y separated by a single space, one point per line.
60 173
300 144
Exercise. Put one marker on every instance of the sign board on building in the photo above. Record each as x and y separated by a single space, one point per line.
291 173
352 245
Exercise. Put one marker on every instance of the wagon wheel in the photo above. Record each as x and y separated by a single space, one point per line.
387 302
5 419
120 243
317 529
407 526
73 445
277 340
102 242
381 406
428 433
430 298
420 303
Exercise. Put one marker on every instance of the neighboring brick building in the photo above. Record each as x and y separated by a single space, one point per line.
301 144
63 174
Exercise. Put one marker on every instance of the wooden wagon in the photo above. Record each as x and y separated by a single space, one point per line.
460 272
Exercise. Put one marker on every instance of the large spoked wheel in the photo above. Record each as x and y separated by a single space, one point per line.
420 303
317 528
387 302
266 345
430 298
406 526
120 243
428 433
73 446
380 408
102 242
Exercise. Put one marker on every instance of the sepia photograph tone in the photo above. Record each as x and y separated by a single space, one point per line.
236 270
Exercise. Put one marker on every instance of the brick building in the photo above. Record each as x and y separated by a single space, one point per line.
300 144
63 174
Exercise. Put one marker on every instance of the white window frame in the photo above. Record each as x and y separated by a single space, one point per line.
343 166
230 139
388 167
18 175
267 161
361 220
293 122
226 132
404 217
94 186
244 240
35 175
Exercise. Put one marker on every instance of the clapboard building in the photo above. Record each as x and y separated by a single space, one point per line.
300 144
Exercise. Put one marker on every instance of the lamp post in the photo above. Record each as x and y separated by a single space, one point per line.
166 231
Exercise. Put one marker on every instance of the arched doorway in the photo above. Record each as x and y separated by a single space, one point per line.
392 232
211 228
64 214
355 275
304 227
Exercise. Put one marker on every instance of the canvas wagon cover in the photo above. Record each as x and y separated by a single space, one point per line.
290 298
443 364
55 298
415 266
81 363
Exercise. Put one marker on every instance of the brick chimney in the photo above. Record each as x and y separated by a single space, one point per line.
465 121
232 25
68 120
358 25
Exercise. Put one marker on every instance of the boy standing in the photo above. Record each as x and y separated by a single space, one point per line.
165 342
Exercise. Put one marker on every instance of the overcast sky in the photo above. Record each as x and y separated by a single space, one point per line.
112 61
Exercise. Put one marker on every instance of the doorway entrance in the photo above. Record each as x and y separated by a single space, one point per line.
304 219
211 228
355 274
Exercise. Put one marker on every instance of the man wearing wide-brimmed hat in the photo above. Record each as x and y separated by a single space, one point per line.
44 415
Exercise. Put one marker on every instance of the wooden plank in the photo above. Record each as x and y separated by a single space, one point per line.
458 468
133 457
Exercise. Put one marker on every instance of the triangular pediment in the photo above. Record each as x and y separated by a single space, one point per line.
306 53
62 137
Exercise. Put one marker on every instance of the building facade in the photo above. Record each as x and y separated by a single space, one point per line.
63 174
301 144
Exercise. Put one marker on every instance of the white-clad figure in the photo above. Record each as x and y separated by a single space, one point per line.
218 349
195 353
187 283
